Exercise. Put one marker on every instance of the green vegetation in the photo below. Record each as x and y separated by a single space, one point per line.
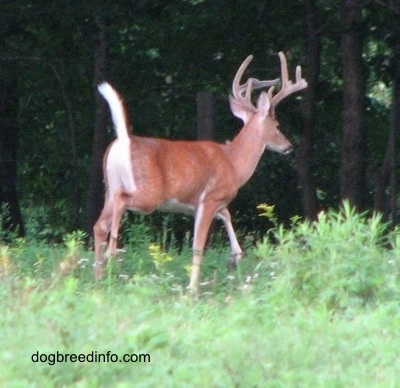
316 304
161 56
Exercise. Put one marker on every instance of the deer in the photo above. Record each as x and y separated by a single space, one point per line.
193 177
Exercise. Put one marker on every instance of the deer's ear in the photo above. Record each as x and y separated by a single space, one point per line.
239 110
263 105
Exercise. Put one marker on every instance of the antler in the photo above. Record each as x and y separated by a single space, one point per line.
242 93
288 87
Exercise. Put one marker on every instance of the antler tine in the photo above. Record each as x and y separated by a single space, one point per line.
288 87
242 93
257 84
236 87
284 69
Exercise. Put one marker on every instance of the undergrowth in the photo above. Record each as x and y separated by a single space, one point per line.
316 304
341 260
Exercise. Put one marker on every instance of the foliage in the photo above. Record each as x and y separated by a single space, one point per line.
159 257
153 63
74 242
5 233
316 306
339 261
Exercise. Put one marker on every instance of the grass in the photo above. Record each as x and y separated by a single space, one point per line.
316 308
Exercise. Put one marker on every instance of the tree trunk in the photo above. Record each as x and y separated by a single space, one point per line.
205 115
205 131
76 196
354 136
96 187
387 177
304 153
10 214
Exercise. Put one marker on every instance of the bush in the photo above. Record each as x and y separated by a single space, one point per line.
274 322
343 259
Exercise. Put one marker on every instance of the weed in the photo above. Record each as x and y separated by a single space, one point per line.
339 260
316 305
5 260
74 242
7 234
159 258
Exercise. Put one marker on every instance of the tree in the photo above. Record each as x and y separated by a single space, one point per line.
354 135
96 189
385 200
10 215
304 155
160 55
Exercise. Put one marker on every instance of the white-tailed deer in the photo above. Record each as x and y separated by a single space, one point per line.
193 177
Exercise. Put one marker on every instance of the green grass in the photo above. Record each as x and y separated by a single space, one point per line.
318 308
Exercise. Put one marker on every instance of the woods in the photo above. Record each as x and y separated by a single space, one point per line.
315 302
174 64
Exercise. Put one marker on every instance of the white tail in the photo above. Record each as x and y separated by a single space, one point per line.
192 177
116 108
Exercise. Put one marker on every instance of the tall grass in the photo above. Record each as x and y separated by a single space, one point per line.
343 259
316 304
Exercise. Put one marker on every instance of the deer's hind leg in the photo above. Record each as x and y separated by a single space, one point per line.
101 230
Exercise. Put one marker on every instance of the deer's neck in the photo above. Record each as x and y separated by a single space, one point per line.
245 151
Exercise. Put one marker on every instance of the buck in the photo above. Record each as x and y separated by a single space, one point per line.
199 178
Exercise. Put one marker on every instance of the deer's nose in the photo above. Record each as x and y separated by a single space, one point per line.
288 149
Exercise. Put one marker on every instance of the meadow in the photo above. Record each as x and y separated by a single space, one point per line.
312 305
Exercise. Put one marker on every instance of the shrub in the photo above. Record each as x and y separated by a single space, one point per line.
342 259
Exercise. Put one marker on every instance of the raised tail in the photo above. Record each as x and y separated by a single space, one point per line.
117 109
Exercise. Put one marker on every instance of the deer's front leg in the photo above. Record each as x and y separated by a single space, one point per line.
236 251
204 216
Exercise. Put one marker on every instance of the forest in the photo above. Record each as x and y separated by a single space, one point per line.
315 300
174 63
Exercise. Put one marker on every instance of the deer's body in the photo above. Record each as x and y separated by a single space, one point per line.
192 177
157 171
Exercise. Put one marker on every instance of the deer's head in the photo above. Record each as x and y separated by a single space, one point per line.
263 113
